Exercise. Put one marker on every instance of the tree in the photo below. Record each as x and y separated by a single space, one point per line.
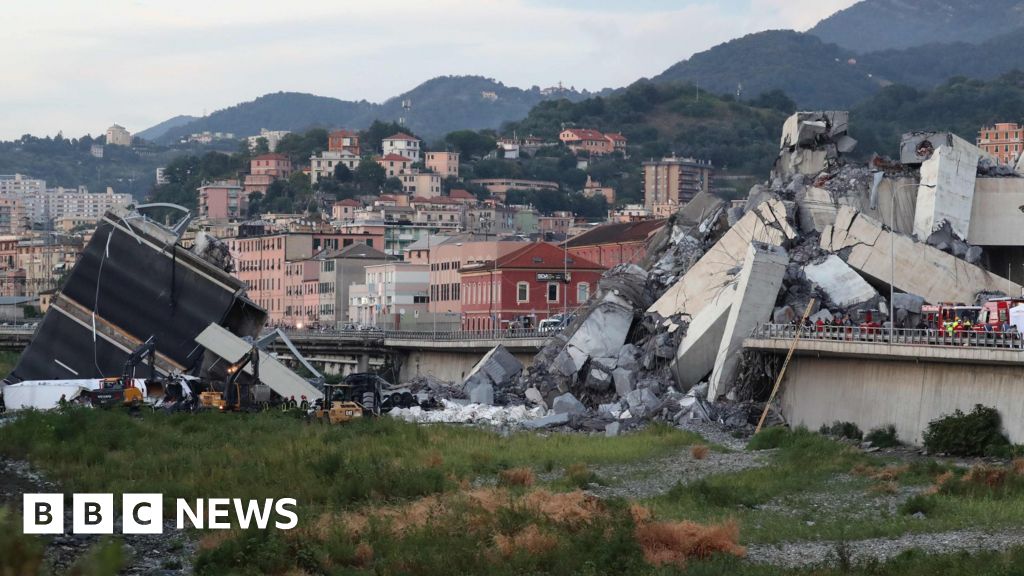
370 139
370 176
393 184
470 144
775 100
262 146
342 173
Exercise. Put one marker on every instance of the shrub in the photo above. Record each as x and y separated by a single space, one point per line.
883 437
769 438
918 503
674 543
842 430
516 477
580 476
975 434
699 452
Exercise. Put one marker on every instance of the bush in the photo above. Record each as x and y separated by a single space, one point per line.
699 452
883 437
842 430
918 503
976 434
516 477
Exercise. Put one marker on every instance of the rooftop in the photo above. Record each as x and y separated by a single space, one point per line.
617 232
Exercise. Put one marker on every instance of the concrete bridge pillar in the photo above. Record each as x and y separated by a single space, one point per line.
363 363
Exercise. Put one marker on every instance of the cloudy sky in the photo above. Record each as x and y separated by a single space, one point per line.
77 66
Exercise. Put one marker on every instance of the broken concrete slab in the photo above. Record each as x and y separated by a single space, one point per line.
843 286
807 128
946 191
917 147
910 302
695 357
768 223
598 380
624 381
548 421
642 402
533 395
482 393
612 429
498 367
756 290
920 269
603 332
567 404
997 203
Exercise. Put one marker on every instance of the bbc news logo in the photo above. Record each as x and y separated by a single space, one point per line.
143 513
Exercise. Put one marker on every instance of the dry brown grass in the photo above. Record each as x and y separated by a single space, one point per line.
434 459
529 540
991 476
886 474
1018 466
364 554
516 477
640 513
570 508
699 451
675 543
885 487
211 540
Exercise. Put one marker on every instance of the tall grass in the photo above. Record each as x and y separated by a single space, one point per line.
271 455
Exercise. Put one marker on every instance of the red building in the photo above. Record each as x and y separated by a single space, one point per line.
343 140
612 244
527 285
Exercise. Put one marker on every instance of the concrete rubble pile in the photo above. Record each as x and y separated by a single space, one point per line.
665 340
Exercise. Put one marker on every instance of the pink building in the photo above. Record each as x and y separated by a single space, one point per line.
302 297
444 164
345 210
276 165
343 140
223 199
448 258
556 225
395 165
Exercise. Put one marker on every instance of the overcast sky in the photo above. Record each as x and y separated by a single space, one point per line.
78 66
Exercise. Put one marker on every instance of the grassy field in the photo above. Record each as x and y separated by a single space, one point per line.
388 497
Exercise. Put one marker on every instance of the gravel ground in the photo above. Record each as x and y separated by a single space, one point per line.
806 554
164 554
853 504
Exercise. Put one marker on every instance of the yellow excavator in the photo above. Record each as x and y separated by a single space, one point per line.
121 391
336 407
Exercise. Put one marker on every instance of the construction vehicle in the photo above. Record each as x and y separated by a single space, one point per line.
358 395
336 407
122 391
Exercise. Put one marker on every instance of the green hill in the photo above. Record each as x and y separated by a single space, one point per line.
873 25
432 109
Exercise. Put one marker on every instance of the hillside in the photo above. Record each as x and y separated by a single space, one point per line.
960 105
873 25
154 132
813 73
438 106
660 119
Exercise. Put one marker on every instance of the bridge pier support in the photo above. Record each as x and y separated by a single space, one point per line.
363 363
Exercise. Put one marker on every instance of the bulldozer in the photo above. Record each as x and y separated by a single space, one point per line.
357 396
336 408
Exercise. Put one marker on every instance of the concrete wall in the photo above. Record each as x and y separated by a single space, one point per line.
947 189
451 366
907 394
996 212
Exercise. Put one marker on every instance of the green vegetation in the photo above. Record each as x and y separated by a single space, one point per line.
847 430
7 361
883 437
979 433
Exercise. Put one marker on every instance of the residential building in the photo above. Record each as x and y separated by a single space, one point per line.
344 141
671 182
56 203
271 136
13 219
161 178
509 148
339 269
301 293
1003 140
594 188
491 219
499 187
223 199
612 244
446 164
394 296
402 144
20 184
45 260
463 196
345 210
263 170
556 225
422 184
592 141
395 165
118 136
631 213
448 255
525 286
207 137
323 165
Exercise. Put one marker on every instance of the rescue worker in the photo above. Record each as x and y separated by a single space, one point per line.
304 405
291 402
63 402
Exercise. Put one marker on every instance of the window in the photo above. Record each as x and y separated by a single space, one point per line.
522 292
552 292
582 292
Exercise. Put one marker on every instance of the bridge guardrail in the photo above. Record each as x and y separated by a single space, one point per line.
897 337
439 336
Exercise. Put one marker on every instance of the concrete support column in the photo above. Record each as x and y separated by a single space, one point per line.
363 363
